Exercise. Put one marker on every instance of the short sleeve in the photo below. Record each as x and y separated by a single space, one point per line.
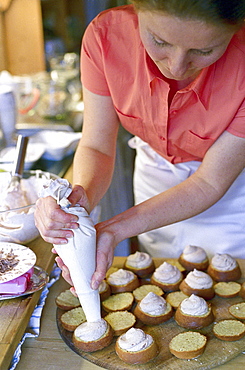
92 71
237 126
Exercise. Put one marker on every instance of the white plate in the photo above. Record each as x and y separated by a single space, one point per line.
26 257
38 280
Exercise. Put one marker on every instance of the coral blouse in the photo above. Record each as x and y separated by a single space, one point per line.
114 63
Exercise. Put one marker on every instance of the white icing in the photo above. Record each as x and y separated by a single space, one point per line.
120 277
223 262
153 304
199 280
135 340
194 306
167 273
139 260
90 331
194 254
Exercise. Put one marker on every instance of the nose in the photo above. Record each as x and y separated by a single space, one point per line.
178 63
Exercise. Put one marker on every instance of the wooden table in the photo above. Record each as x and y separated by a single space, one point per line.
49 351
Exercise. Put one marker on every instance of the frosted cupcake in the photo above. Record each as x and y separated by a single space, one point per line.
122 281
140 263
153 310
194 313
199 283
93 336
194 258
224 268
136 347
167 277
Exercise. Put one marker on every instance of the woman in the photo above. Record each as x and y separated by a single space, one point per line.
173 74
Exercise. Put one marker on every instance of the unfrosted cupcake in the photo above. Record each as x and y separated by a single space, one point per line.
223 267
199 283
167 277
194 257
194 313
153 310
123 281
140 263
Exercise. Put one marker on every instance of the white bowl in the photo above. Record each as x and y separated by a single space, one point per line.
33 153
17 225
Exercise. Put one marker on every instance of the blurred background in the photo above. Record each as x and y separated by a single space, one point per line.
41 92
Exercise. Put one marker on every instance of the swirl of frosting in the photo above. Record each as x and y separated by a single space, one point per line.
223 262
134 340
153 304
89 331
139 260
167 273
199 280
194 254
121 277
194 306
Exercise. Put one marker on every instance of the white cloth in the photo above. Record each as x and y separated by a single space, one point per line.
220 229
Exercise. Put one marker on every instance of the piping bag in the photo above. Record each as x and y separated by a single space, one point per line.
79 254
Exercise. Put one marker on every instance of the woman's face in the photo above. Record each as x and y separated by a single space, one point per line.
181 48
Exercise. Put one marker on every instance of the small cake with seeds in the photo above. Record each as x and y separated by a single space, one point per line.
188 345
194 257
93 336
140 292
71 319
67 301
242 291
198 283
167 277
194 313
120 321
140 263
229 330
123 281
228 289
118 302
238 310
223 267
136 347
153 310
175 298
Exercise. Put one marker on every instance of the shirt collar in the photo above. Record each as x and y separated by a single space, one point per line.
201 86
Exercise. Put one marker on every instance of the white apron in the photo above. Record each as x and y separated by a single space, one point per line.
219 229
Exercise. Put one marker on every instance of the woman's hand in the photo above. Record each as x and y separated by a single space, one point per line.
106 243
53 223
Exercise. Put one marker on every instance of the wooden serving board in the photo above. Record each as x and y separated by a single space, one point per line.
217 352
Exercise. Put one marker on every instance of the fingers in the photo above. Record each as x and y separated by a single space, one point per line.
104 258
79 196
65 271
52 222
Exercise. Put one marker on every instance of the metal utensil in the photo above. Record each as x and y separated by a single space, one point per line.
19 160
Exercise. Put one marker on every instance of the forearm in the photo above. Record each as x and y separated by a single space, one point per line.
93 171
179 203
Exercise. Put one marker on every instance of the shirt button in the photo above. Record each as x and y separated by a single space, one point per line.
161 138
174 112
